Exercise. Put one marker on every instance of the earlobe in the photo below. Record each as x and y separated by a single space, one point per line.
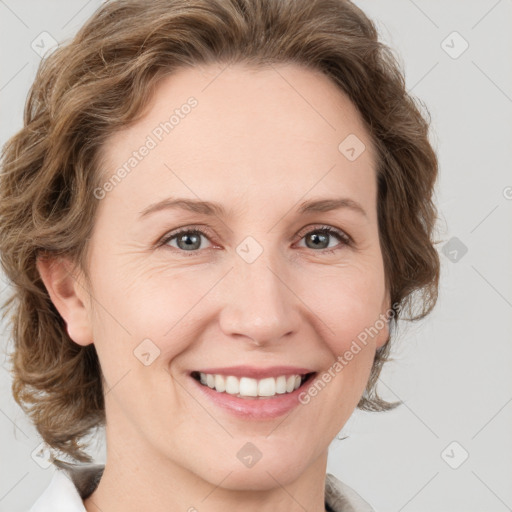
67 294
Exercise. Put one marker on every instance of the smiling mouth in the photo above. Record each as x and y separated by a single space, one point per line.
247 387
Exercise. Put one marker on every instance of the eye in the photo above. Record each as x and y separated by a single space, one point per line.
320 237
187 239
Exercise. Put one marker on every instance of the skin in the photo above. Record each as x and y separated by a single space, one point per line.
260 142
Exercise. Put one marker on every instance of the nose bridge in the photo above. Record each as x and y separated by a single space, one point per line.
258 305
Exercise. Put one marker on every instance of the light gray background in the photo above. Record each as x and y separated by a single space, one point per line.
453 370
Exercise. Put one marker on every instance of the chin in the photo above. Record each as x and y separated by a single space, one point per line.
264 475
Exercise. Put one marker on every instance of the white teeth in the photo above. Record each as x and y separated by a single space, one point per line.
267 387
281 384
232 385
246 386
220 383
290 383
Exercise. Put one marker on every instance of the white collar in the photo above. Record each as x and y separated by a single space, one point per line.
60 496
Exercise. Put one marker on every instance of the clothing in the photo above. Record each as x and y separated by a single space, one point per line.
74 483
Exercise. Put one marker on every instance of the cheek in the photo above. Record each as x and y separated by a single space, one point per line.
150 312
349 305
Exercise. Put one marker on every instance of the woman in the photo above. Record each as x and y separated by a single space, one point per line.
213 217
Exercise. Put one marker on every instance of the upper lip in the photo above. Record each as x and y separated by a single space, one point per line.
257 373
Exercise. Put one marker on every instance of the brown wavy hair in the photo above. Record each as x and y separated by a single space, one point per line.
101 80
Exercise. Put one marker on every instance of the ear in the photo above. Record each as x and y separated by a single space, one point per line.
67 292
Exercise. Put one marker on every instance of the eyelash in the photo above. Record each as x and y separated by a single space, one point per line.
340 235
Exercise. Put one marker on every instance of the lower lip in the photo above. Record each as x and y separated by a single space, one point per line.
255 408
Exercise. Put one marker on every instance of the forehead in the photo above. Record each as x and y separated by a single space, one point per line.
217 126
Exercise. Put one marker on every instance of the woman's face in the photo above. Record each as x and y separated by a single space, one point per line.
252 288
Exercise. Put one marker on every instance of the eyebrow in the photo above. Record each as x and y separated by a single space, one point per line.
211 208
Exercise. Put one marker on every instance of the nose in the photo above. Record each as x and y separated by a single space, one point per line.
259 304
